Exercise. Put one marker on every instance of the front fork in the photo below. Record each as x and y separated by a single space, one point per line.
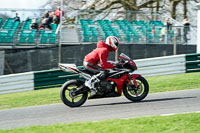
133 81
133 86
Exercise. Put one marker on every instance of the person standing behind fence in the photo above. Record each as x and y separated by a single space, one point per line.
57 13
168 26
162 34
186 29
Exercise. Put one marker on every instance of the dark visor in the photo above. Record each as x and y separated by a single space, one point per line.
116 43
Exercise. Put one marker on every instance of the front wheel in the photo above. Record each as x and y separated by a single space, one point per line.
136 94
66 94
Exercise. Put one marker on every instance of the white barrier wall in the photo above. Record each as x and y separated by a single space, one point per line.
16 82
161 65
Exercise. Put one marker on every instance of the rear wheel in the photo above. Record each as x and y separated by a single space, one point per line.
136 94
67 94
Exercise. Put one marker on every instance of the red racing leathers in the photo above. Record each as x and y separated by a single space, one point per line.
100 54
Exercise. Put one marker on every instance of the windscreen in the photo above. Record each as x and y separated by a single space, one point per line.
124 56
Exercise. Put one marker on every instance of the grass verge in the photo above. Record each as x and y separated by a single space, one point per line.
51 96
181 123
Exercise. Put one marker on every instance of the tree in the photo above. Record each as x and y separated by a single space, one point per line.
153 6
173 4
185 8
105 5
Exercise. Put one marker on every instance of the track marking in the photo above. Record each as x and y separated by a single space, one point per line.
179 113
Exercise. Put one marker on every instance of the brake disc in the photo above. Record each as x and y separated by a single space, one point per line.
135 91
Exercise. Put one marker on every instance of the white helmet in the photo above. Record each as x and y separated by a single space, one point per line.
113 42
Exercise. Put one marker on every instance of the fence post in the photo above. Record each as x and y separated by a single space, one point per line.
174 45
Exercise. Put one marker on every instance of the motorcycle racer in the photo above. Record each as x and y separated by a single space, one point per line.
100 55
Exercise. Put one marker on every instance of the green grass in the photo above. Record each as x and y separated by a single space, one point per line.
174 82
181 123
30 98
51 96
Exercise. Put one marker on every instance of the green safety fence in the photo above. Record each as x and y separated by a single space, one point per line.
192 62
52 78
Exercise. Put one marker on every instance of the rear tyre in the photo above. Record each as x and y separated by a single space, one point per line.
66 94
136 94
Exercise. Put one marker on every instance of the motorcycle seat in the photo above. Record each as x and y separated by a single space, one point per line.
82 69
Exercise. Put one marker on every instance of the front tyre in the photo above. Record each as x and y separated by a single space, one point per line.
66 94
136 94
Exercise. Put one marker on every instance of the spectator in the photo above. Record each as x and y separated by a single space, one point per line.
41 27
45 24
168 26
17 18
186 29
153 32
34 24
50 18
177 33
162 33
57 13
46 14
27 19
55 19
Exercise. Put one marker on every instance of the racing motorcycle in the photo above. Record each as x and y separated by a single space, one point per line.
74 93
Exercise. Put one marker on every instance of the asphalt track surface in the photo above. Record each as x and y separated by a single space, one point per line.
165 103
